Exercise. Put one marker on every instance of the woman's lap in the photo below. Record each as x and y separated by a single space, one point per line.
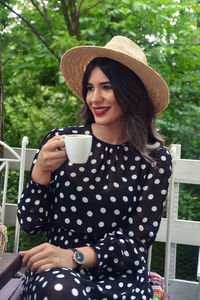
55 284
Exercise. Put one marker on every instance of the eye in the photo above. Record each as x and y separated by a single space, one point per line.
107 87
90 88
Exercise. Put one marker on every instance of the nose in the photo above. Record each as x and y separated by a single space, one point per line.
97 95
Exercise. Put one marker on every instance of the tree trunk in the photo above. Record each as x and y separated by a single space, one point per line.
1 115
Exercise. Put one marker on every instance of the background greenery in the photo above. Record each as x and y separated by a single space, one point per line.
35 34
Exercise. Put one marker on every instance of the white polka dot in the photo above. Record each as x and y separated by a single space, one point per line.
117 212
141 228
72 197
132 168
75 292
79 188
97 179
29 219
58 287
73 208
126 253
67 183
144 220
63 208
130 220
73 174
150 196
161 171
108 287
101 224
60 276
163 192
157 181
154 208
89 229
79 222
102 210
125 198
155 223
113 199
113 169
85 200
137 158
163 158
86 179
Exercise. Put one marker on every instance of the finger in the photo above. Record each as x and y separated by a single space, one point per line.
30 253
54 143
43 268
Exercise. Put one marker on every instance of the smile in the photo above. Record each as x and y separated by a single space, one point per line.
98 111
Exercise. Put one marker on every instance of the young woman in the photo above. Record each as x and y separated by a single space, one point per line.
100 217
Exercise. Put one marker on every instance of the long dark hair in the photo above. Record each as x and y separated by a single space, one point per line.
131 95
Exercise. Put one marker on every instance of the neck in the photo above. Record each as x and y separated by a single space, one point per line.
111 134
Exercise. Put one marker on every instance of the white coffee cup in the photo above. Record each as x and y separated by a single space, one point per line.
78 147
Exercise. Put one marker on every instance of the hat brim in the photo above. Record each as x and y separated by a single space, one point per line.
75 61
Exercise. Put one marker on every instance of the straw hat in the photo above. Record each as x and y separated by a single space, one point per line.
123 50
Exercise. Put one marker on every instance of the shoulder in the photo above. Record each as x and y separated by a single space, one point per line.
68 130
162 157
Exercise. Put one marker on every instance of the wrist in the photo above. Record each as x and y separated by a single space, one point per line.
40 176
78 258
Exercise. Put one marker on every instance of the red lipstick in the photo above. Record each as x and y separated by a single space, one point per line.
100 110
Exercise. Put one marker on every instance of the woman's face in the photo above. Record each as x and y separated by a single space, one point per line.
101 100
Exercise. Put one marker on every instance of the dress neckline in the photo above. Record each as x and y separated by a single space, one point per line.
106 143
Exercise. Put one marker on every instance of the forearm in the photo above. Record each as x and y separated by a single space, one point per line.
33 208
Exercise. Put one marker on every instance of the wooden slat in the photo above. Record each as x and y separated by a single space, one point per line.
30 153
187 171
183 232
183 290
10 214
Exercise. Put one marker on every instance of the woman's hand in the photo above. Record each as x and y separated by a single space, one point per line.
49 160
45 256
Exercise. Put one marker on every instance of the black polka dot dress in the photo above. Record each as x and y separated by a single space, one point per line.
112 203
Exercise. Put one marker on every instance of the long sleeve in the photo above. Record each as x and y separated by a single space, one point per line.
35 206
126 248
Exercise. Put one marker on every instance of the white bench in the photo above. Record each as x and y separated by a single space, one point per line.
172 231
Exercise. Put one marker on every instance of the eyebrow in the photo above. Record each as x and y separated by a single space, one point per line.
102 83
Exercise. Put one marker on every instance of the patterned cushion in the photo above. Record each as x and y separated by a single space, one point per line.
157 285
